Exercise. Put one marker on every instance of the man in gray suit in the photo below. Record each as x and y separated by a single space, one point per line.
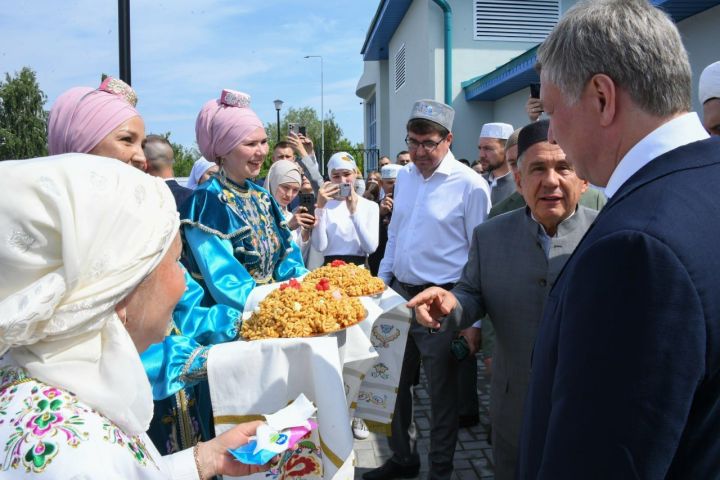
513 262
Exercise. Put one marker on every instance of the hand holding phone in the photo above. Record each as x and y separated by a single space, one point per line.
535 90
327 192
307 201
344 191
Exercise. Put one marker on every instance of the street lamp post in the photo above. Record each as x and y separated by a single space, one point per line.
322 114
124 39
278 105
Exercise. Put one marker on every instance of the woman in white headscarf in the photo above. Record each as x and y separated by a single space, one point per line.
283 181
201 172
89 279
347 224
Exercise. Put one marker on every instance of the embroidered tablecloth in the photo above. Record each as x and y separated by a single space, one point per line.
358 368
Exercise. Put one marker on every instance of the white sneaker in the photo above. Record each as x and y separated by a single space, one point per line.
359 429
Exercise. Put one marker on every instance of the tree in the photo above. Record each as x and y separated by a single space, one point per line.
23 122
308 117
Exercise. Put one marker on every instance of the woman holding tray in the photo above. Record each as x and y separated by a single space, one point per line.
236 235
104 121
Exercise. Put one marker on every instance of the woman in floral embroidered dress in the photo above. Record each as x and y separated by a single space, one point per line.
235 232
89 243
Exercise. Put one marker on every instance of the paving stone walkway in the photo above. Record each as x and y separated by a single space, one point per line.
473 455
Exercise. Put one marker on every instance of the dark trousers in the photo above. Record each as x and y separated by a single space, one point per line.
433 350
468 402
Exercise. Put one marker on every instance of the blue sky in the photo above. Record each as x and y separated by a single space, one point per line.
184 52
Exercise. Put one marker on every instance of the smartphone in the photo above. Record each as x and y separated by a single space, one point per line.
303 130
293 128
307 200
535 90
345 189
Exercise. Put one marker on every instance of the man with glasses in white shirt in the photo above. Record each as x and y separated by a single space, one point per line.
437 203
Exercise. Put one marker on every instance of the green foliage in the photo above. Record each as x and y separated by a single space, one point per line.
308 117
23 122
184 157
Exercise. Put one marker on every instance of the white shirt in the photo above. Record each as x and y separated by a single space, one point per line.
432 224
339 233
677 132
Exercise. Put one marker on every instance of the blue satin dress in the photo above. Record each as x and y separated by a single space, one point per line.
177 364
234 238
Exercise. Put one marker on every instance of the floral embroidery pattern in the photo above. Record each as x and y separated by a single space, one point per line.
263 243
383 335
380 370
373 398
304 461
136 446
46 419
20 240
48 416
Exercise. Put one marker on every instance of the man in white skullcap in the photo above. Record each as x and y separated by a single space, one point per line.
709 93
437 202
491 155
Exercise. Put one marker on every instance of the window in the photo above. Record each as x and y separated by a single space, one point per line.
400 68
512 20
371 130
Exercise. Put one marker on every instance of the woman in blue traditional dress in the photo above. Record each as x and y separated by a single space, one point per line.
236 235
105 122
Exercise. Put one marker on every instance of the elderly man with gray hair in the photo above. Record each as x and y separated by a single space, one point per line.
626 366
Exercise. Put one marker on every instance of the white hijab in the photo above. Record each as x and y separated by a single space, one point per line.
198 170
80 232
282 171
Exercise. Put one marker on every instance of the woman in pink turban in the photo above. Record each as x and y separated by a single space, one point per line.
236 233
100 121
105 122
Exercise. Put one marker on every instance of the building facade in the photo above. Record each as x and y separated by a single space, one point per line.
491 61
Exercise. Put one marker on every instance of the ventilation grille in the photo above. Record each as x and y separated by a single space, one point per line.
400 68
519 21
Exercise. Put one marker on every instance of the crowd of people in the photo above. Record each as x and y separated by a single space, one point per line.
575 253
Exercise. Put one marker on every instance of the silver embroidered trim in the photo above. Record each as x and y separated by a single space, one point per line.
225 236
197 374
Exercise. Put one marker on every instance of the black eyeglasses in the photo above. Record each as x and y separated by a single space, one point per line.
428 145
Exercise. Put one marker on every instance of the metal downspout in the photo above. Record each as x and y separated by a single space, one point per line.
447 13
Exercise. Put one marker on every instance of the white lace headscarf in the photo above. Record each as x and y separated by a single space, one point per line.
78 234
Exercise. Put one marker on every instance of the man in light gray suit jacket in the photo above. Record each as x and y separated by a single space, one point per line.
513 262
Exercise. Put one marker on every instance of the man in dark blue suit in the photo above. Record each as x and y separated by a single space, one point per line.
160 161
626 366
